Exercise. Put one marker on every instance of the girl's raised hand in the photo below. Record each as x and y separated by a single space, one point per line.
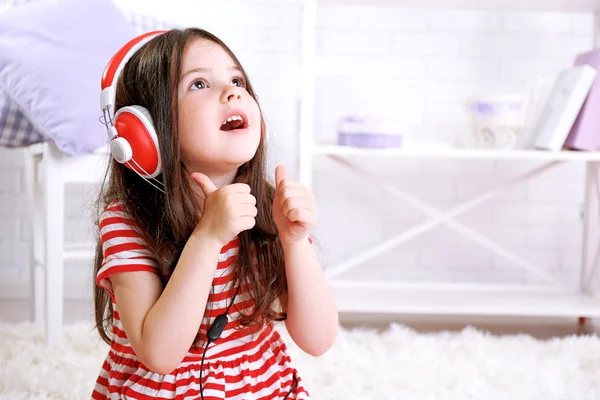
294 208
227 211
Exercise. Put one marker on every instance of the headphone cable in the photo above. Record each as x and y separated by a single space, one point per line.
214 332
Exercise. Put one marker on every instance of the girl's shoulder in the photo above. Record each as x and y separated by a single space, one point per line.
115 218
114 206
115 213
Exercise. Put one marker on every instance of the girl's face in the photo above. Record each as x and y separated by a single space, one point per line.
219 121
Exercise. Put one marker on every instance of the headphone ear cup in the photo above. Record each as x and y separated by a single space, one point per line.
138 141
121 150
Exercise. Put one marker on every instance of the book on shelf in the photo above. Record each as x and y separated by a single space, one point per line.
585 134
562 107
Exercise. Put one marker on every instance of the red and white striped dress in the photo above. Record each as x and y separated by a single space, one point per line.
239 365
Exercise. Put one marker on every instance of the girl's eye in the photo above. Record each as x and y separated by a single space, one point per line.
198 85
238 82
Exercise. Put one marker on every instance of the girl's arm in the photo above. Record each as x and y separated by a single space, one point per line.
312 318
161 324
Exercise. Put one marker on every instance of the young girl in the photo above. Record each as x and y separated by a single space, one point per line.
198 255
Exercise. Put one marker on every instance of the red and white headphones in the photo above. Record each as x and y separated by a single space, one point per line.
133 139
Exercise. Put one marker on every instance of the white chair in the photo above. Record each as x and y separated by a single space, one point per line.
47 172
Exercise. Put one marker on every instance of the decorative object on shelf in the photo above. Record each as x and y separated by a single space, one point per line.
368 132
585 134
498 121
562 107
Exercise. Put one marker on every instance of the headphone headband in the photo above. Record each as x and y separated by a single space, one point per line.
133 140
115 66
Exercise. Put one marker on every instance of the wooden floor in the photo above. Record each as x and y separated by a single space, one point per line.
19 310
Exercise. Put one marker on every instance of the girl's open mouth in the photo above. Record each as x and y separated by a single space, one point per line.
234 122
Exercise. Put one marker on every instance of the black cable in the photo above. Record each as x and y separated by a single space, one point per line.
294 386
213 333
201 365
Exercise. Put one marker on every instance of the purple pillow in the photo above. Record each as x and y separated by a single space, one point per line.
52 55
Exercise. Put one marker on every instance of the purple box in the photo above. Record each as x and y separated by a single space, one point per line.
369 140
585 133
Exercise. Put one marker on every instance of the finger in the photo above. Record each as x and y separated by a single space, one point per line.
247 210
246 198
205 183
289 187
294 191
239 188
247 223
280 174
296 202
300 215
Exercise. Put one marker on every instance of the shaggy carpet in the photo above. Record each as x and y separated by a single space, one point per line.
398 363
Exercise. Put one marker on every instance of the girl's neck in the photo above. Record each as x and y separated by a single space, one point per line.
221 180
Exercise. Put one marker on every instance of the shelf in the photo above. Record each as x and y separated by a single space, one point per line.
520 5
455 299
462 153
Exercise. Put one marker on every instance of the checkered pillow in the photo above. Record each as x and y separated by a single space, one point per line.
15 129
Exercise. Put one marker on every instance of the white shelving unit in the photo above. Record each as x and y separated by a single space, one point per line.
552 300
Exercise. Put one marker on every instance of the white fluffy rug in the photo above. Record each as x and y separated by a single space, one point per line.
396 364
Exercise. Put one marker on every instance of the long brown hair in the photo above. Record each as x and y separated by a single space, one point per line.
166 221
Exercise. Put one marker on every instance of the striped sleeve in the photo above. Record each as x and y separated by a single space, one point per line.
123 248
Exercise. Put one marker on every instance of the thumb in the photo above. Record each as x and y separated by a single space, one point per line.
280 175
205 183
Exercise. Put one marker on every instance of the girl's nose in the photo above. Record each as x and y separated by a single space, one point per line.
231 92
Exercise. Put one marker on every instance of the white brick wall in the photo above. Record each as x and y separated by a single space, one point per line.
422 71
420 65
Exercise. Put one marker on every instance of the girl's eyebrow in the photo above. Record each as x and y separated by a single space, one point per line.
203 69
